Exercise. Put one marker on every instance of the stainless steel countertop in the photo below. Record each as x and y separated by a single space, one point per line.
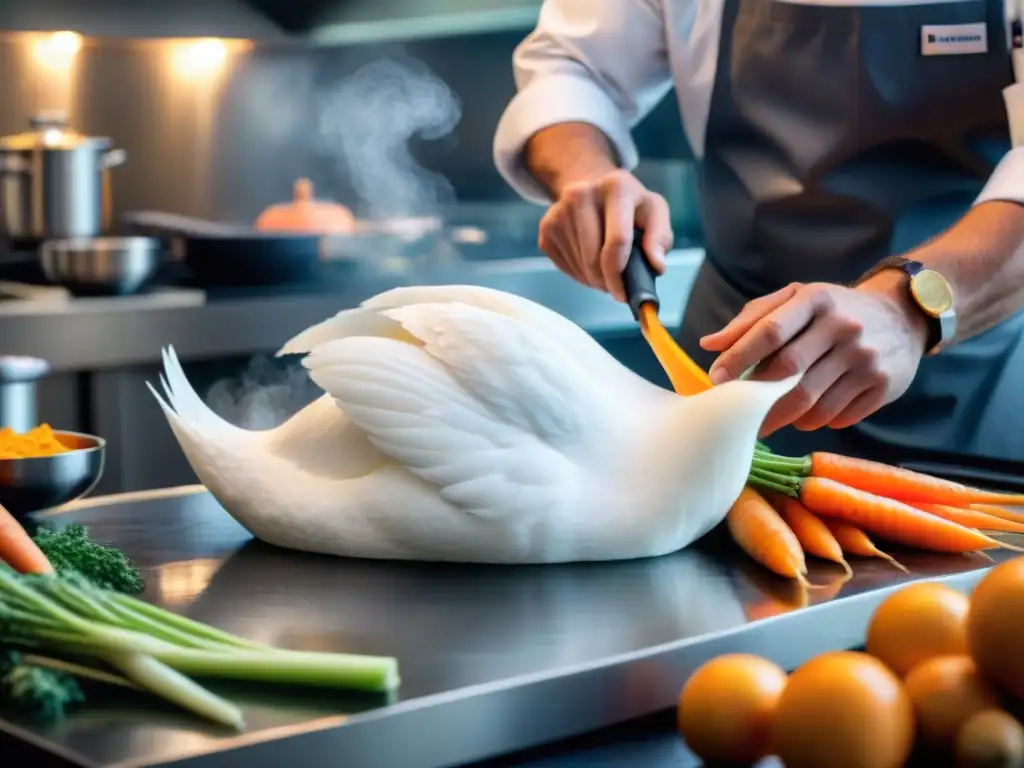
493 659
90 334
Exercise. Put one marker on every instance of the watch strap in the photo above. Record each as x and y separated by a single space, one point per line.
910 268
902 263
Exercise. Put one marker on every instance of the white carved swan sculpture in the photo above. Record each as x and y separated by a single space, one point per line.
467 424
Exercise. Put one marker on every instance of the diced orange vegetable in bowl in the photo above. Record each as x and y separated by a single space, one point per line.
36 443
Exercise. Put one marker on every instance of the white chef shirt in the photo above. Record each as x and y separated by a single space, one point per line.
609 62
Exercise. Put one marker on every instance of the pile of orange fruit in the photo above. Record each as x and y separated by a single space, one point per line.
941 676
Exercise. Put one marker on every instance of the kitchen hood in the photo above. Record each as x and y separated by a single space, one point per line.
135 19
352 21
323 22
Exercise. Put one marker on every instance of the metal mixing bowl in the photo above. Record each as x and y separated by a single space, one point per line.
101 266
32 485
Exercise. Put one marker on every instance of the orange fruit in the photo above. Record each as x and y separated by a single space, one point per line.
995 631
946 691
727 706
918 623
844 710
990 739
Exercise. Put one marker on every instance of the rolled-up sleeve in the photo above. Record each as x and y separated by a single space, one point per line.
1007 181
601 62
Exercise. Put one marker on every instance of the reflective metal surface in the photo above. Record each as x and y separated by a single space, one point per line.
18 376
248 322
30 485
54 182
493 659
101 265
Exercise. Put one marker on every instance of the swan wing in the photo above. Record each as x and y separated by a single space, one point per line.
371 319
483 406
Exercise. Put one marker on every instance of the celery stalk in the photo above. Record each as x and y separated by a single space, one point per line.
177 689
329 670
183 623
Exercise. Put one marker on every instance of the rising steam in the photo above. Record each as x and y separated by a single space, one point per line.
368 122
266 394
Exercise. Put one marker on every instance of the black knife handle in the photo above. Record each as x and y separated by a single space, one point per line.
638 278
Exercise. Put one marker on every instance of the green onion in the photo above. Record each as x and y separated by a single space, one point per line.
154 649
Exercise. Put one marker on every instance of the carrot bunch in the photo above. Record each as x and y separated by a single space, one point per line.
829 506
826 505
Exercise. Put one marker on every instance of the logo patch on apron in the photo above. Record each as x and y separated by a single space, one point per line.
954 39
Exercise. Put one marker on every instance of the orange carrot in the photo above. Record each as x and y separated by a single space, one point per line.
761 533
891 519
855 542
813 535
17 548
902 484
1001 512
972 518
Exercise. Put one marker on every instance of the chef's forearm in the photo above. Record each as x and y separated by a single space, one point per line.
566 153
982 256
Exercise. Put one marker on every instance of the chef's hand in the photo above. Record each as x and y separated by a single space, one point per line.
857 348
588 232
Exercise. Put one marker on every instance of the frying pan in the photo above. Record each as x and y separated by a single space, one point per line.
221 254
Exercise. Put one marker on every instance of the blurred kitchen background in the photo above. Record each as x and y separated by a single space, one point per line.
386 106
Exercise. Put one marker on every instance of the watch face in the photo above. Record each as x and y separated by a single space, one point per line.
932 292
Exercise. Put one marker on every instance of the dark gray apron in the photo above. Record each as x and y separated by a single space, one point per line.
832 142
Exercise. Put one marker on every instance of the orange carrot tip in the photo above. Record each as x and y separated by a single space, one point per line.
855 542
893 520
847 568
1001 512
971 518
813 535
761 532
17 548
891 560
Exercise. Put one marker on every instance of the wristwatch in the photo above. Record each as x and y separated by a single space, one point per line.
930 292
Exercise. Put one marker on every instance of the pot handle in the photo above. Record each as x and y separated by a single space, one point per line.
112 159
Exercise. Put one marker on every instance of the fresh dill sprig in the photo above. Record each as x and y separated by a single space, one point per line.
70 550
38 692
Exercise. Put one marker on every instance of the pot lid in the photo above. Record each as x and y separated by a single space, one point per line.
15 369
51 131
306 214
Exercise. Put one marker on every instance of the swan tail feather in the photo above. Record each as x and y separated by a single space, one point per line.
182 404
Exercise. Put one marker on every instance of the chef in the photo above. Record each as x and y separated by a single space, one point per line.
860 199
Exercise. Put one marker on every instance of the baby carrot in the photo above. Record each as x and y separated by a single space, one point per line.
17 548
891 519
855 542
761 533
813 535
901 484
972 518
